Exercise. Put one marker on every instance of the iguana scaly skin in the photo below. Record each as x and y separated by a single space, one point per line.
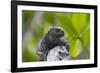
51 40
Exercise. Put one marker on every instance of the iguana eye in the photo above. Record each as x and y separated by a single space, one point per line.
57 30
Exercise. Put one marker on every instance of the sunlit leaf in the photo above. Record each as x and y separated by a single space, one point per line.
75 48
79 20
86 37
66 24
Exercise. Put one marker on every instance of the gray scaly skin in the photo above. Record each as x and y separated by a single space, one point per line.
51 40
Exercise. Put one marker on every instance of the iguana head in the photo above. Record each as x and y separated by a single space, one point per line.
54 34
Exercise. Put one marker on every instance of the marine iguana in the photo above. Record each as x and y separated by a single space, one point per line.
52 39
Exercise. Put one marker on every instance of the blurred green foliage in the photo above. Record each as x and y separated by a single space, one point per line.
75 25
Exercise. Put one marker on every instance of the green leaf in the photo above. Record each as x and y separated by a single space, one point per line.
27 17
75 48
49 21
47 26
29 56
38 30
33 41
79 20
49 17
86 37
66 24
